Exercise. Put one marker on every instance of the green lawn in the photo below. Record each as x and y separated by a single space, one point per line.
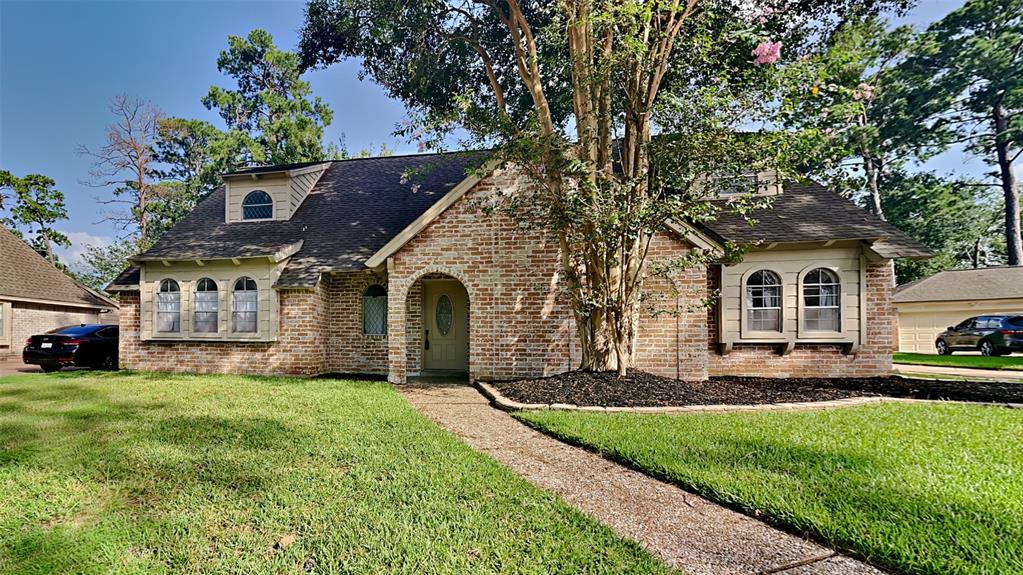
147 473
922 488
974 361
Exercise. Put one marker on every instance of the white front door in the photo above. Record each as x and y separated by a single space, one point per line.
445 326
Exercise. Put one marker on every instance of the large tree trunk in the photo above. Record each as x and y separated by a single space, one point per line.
1010 188
872 172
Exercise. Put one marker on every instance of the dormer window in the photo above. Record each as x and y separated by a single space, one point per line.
257 205
736 184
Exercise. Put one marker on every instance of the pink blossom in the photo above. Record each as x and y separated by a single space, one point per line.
415 188
767 52
422 147
404 179
863 92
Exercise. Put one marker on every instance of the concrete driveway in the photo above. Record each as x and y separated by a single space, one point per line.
14 367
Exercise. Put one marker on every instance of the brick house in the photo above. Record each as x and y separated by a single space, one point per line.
36 297
351 267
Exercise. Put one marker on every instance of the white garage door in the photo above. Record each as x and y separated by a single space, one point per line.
917 331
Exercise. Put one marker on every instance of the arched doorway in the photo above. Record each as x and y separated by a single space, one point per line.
437 324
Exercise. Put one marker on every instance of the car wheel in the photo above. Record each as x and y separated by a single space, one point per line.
109 363
943 348
987 348
50 367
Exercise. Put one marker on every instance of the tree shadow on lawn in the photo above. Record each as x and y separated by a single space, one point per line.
844 498
125 460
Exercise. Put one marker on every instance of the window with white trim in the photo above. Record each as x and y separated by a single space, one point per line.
822 297
763 301
245 306
205 305
168 307
257 205
374 310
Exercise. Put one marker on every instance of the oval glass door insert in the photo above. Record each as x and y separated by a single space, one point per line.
444 314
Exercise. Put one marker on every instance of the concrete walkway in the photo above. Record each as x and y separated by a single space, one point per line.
967 372
684 530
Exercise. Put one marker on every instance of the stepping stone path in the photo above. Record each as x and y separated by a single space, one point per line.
683 529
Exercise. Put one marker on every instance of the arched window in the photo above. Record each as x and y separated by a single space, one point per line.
822 295
206 304
763 301
168 307
257 205
244 306
374 310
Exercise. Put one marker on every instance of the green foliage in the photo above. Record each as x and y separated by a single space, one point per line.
949 216
35 206
271 116
142 473
968 67
102 263
924 489
853 100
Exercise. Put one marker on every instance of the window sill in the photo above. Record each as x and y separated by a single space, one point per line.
213 338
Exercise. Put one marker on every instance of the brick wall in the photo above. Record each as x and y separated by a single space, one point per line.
819 360
519 324
301 347
348 349
28 319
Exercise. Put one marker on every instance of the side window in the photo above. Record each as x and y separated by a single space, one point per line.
107 332
168 307
763 301
206 305
257 205
822 310
965 324
245 306
374 310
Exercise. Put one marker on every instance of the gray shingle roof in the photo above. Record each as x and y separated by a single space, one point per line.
359 205
965 285
355 208
809 212
27 275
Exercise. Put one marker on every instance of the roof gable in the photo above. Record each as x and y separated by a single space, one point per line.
808 212
965 285
26 275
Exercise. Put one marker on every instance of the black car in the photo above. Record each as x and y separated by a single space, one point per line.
85 345
989 334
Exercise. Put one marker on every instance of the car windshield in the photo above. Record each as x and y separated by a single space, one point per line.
75 330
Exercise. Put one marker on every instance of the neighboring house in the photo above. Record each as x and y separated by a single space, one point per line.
928 306
36 297
387 266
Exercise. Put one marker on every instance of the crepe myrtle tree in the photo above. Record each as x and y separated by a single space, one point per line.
573 93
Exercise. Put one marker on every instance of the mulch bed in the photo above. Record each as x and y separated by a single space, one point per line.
641 389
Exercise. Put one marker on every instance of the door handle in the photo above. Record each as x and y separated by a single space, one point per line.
426 342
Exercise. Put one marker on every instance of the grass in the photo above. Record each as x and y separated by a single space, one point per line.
920 488
147 473
971 361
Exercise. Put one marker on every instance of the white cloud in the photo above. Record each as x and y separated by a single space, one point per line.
79 241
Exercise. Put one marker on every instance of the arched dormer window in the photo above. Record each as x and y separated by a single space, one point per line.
374 310
168 307
822 296
257 205
763 301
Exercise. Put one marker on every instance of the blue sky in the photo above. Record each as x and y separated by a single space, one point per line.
61 62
